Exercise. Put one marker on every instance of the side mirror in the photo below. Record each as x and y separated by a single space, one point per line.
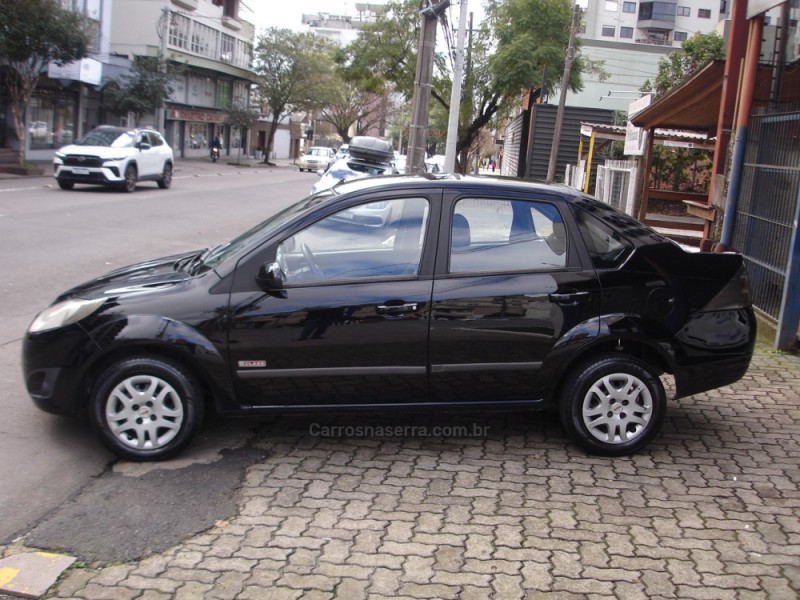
144 146
270 277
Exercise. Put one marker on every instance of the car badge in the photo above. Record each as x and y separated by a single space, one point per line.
252 364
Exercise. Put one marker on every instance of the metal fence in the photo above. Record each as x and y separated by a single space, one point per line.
768 204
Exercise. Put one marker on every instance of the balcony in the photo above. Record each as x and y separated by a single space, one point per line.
187 4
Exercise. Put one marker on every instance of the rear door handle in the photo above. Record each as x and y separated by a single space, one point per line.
570 299
396 309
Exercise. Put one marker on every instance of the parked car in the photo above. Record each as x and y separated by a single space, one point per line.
343 151
481 294
317 157
367 156
117 157
347 169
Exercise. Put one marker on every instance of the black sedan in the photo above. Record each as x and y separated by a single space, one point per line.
475 293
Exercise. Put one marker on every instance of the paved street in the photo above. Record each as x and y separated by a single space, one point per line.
711 510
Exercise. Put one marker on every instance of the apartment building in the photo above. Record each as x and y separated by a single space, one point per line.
213 45
629 37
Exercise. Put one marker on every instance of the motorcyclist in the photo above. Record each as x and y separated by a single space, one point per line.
216 147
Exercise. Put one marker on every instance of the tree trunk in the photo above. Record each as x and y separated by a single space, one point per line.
276 117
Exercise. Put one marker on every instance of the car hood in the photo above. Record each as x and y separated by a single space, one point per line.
141 278
101 151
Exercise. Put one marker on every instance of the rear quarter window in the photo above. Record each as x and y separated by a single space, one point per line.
606 246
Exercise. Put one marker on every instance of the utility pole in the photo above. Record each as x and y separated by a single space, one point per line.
429 11
455 94
551 167
162 63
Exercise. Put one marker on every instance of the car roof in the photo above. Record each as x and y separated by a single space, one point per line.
495 183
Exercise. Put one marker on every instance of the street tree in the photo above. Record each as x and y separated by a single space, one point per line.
142 92
522 41
351 106
675 68
242 120
34 33
294 73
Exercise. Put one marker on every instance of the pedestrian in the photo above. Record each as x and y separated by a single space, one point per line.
493 165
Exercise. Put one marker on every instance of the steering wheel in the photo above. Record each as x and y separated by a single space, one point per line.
309 257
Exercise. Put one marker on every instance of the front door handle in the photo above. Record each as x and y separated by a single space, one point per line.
570 299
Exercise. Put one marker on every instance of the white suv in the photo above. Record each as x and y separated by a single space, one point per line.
115 156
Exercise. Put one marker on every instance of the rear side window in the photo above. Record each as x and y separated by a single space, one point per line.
607 248
493 236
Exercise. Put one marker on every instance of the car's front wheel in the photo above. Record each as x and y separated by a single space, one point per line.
131 176
166 177
146 408
65 185
613 405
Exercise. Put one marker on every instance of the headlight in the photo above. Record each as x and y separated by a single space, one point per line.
116 159
64 313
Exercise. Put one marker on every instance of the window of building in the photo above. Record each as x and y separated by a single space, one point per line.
683 11
227 48
201 91
657 11
626 32
240 96
612 5
51 118
680 36
704 13
204 40
224 93
629 7
609 31
179 27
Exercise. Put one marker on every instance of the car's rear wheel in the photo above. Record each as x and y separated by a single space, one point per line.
65 185
613 405
166 177
131 176
146 408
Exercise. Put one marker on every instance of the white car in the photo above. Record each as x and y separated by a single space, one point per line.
116 157
317 157
350 168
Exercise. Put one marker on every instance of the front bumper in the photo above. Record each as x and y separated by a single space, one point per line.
105 175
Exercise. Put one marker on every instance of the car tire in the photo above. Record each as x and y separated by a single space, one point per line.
613 405
146 408
65 185
131 177
166 177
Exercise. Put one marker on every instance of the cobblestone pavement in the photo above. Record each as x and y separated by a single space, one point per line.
710 510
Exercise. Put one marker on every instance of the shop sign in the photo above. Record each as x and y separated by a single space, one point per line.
196 115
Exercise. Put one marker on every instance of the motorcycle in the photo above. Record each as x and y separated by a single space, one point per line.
214 154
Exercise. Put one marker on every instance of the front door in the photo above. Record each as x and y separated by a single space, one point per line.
351 325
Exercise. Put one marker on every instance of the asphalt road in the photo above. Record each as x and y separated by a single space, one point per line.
51 240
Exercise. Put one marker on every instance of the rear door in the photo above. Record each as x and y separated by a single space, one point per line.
509 284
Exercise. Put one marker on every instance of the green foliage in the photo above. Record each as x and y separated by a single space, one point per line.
351 106
532 36
144 91
34 33
242 120
294 73
675 68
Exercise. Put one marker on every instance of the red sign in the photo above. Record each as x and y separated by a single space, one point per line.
196 115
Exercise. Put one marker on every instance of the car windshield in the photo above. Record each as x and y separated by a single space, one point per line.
319 152
107 137
219 254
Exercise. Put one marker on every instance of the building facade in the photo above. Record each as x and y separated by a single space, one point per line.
213 46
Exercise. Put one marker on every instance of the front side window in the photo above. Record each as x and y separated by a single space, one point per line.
370 240
493 236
